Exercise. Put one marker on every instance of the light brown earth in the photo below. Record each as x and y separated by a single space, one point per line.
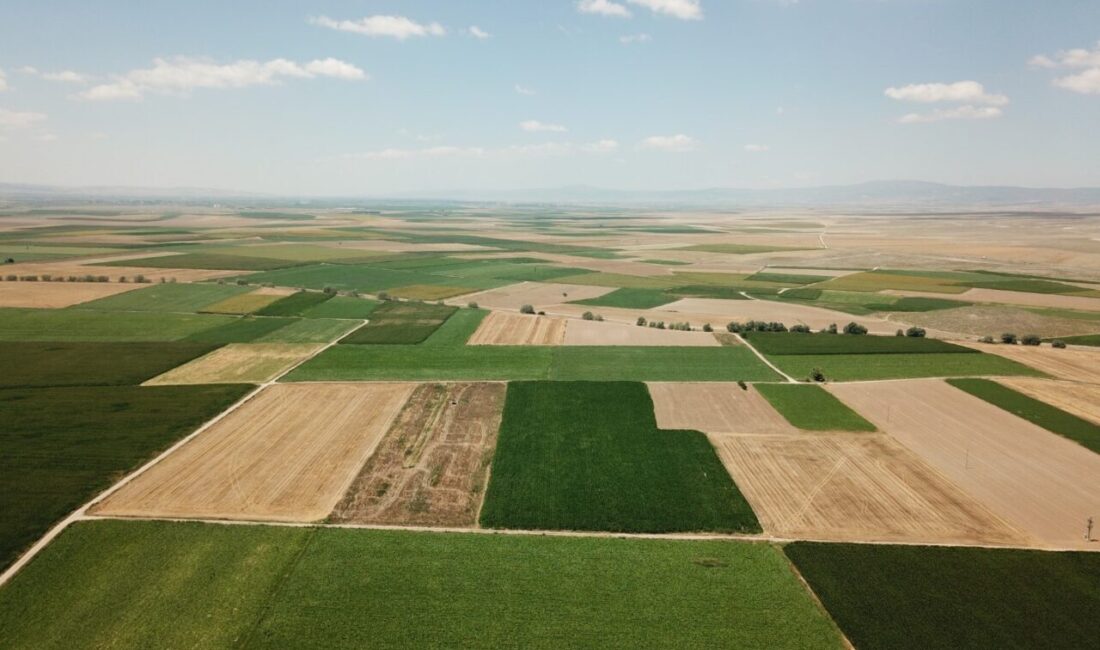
1036 480
236 363
288 454
53 295
1082 400
242 304
503 328
275 291
431 467
1021 298
1074 363
590 332
715 407
863 487
536 294
991 320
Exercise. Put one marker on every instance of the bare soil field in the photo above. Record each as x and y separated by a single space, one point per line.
502 328
537 294
770 310
80 268
288 454
1074 363
715 408
1082 400
1013 298
991 320
236 363
1038 481
281 292
53 295
586 332
864 487
432 465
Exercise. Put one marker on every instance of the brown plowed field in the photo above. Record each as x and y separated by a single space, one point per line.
715 407
431 467
53 295
237 363
862 487
1083 400
1040 482
288 454
502 328
537 294
590 332
1075 364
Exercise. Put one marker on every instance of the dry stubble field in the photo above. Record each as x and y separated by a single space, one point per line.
431 467
502 328
1074 364
249 363
288 454
715 408
54 295
1083 400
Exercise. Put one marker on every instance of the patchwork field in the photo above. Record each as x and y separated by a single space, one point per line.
862 487
715 408
52 295
866 367
1034 479
143 584
913 597
237 363
397 323
288 454
1083 400
810 408
430 467
1076 364
502 328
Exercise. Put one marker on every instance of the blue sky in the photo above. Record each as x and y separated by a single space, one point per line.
389 97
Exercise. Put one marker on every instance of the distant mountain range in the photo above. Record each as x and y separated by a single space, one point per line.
895 195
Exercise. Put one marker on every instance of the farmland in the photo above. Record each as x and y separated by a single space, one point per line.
813 409
91 364
397 323
852 367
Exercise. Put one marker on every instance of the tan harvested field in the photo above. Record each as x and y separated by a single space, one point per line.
503 328
431 467
66 268
53 295
1082 303
722 311
537 294
1082 400
281 292
715 408
991 320
242 304
1074 363
862 487
586 332
236 363
1040 482
288 454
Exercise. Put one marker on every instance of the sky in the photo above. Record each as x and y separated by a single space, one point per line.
395 97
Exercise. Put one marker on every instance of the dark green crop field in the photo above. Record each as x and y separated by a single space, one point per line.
589 456
86 325
162 584
243 329
631 299
811 407
176 297
794 343
396 323
342 307
62 445
1081 431
294 304
899 597
212 261
28 364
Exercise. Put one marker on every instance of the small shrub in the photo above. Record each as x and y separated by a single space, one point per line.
140 279
742 385
985 339
855 329
599 317
11 278
1008 338
817 375
9 260
916 332
707 328
122 279
588 316
242 283
1031 339
640 322
733 327
1058 343
330 291
472 305
831 329
382 295
900 332
46 277
660 324
800 329
541 313
527 309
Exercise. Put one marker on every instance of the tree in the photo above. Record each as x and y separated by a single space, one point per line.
1008 338
742 385
734 327
900 332
527 309
800 329
331 291
855 329
831 329
640 322
707 328
915 332
588 316
1031 339
382 295
599 317
817 374
472 305
1058 343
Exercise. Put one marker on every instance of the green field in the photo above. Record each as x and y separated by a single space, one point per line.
294 304
813 408
309 330
786 343
1092 340
63 445
589 456
367 278
457 329
170 297
239 330
855 367
500 362
631 299
212 261
342 307
899 597
29 364
162 584
1081 431
87 325
401 323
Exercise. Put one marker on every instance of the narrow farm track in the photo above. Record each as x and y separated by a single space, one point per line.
81 513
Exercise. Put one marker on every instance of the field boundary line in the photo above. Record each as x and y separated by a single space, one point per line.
745 341
82 512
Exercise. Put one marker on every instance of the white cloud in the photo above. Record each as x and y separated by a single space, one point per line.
682 9
65 76
603 8
478 32
678 143
524 90
535 126
182 74
13 120
28 69
601 146
756 148
3 81
398 27
970 92
966 112
1086 81
630 39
